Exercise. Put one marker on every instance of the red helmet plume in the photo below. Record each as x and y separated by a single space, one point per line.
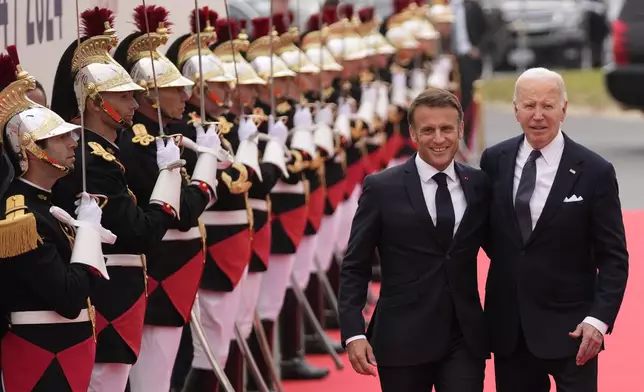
279 23
8 63
366 14
93 21
223 32
155 15
204 19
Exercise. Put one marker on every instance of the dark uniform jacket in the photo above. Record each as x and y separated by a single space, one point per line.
121 301
35 276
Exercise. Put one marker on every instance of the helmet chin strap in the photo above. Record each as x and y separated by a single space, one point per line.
32 148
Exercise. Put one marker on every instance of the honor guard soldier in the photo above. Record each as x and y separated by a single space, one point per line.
216 89
176 264
399 144
229 229
313 43
288 197
306 267
88 80
49 263
445 67
380 54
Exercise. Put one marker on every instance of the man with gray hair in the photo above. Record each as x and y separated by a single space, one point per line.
557 246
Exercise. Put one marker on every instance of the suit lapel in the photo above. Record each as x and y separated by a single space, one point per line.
415 193
506 167
567 174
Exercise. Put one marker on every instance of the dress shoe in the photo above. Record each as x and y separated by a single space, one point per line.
300 369
314 345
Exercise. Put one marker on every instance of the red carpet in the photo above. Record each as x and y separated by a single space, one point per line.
620 365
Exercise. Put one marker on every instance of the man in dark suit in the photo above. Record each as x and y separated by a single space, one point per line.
559 263
426 218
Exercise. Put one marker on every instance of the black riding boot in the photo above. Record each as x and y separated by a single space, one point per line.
235 367
200 380
253 343
294 366
315 295
331 320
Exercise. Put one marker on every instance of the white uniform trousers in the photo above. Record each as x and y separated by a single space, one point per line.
274 284
216 312
153 369
249 287
349 208
326 239
109 377
304 261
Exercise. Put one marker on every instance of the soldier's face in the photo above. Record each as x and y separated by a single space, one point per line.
217 92
123 104
437 131
246 93
173 101
61 149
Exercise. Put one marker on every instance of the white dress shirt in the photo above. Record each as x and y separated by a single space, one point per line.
429 188
547 166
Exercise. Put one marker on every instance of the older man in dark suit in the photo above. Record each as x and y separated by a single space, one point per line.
426 218
559 263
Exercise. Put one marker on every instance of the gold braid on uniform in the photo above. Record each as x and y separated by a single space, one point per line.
298 162
241 184
19 230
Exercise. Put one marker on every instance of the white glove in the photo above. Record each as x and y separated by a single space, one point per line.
87 210
208 139
382 103
399 89
324 115
302 118
369 93
277 130
246 129
345 109
168 155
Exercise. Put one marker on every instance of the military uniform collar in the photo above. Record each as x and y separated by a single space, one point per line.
31 190
110 147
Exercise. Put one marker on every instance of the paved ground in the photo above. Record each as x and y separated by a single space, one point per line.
618 139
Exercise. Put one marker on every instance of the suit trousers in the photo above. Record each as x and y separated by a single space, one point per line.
522 371
458 371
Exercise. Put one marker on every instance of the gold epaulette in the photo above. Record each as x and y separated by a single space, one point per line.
283 107
326 94
240 185
225 126
259 116
366 77
141 135
298 163
358 130
19 230
98 150
396 68
194 118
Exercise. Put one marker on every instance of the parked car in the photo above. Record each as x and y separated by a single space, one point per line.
625 75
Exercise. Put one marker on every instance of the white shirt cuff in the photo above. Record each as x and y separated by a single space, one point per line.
600 325
357 337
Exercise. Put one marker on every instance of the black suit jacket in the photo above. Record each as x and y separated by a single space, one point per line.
574 265
426 286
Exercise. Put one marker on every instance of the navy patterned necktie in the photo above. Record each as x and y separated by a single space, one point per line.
445 219
524 194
